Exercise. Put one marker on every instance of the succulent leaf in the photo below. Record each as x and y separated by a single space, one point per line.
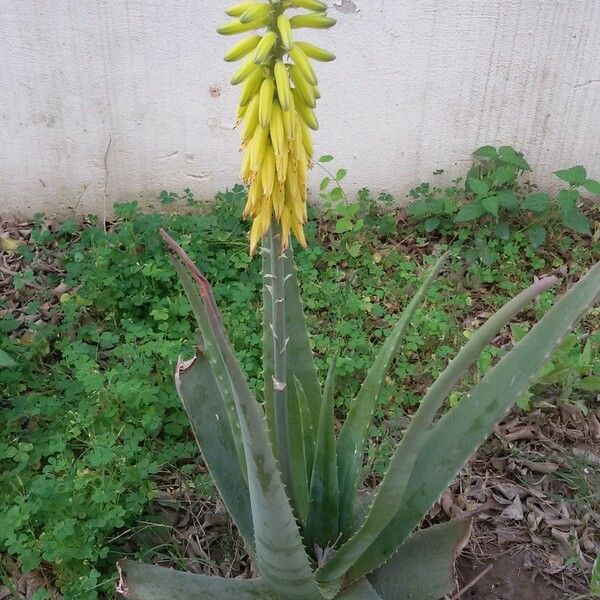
323 507
459 432
394 485
201 396
280 554
151 582
422 569
354 431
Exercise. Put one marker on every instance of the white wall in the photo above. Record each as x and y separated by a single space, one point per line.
122 98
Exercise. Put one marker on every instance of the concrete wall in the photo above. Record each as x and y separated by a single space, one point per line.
103 100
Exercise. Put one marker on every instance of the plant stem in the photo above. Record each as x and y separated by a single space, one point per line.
280 396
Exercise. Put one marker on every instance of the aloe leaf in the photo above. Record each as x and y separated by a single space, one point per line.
151 582
363 590
394 484
323 506
217 364
422 569
301 368
308 431
300 355
280 555
203 402
354 431
455 437
281 401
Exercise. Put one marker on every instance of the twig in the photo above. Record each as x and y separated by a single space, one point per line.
472 583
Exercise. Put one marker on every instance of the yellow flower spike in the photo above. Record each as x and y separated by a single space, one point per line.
315 5
265 106
243 48
281 165
304 90
315 52
298 232
277 129
264 218
285 32
255 195
254 12
235 27
278 199
246 171
251 119
307 115
259 146
288 119
267 171
307 140
254 235
251 86
237 10
312 20
247 68
303 64
286 224
275 110
282 80
263 49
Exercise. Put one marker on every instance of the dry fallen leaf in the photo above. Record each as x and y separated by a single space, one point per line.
9 245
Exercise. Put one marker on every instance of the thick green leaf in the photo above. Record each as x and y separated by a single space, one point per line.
280 554
282 340
300 357
595 583
457 434
150 582
323 507
352 437
363 590
217 363
394 484
573 176
537 203
309 436
201 396
502 230
570 213
422 569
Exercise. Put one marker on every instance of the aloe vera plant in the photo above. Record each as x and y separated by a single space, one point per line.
292 485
